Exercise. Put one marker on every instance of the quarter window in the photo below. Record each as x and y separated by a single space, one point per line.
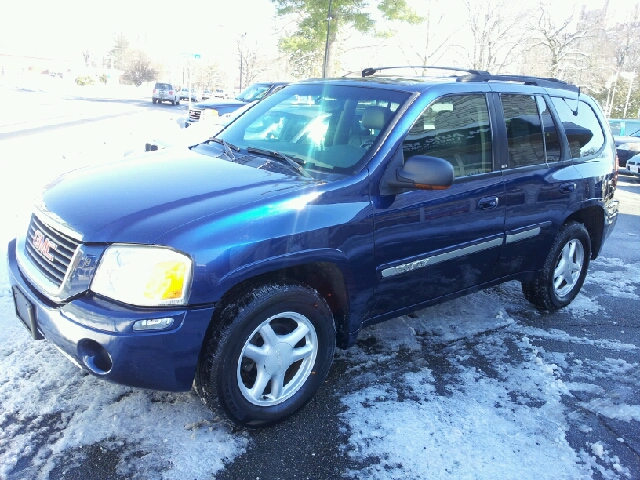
457 129
551 139
582 128
524 132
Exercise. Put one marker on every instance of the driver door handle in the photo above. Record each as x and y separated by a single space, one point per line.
488 203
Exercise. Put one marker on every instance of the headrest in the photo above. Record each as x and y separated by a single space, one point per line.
445 120
375 118
519 127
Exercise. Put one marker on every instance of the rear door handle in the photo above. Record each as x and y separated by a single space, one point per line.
568 187
488 203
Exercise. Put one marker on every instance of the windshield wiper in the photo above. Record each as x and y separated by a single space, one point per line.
296 165
228 147
633 134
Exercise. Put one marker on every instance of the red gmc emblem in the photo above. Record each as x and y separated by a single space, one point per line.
43 245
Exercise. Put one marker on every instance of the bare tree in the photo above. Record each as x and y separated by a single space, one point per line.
560 37
430 44
252 63
496 28
139 69
87 57
625 38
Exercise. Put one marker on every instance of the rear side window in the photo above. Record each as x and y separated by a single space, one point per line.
457 129
584 132
524 132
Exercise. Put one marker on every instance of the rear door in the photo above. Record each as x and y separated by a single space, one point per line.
433 243
540 179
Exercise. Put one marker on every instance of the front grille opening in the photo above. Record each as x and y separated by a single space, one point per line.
50 250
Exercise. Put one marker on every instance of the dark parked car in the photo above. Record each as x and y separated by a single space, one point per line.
239 265
626 134
220 106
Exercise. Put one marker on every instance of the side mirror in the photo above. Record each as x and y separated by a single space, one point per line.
422 172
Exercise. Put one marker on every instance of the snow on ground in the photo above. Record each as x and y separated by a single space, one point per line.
480 400
461 390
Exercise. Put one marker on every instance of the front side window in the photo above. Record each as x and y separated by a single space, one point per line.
524 132
457 129
583 130
331 131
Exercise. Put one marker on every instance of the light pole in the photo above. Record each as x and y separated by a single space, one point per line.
326 43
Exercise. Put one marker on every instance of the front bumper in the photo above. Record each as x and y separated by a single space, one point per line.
97 335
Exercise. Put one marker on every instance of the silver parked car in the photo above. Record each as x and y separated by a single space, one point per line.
165 92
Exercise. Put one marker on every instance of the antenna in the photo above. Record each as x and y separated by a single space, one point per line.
575 112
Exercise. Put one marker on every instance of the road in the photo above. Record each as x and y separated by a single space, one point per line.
480 387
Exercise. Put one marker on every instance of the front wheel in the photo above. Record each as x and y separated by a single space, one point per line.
564 270
269 355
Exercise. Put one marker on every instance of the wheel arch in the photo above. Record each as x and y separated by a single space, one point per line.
592 217
326 277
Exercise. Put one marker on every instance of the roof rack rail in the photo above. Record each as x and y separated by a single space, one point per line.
367 72
539 81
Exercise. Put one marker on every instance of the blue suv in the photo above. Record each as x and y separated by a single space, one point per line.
238 265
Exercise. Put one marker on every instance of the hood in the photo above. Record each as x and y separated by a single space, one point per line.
219 103
137 200
621 139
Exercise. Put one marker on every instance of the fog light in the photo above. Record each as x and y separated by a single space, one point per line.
153 324
94 356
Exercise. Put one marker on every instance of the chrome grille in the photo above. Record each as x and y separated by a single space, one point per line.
54 259
194 115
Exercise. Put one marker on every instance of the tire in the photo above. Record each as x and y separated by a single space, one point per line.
177 102
173 102
250 337
564 270
154 100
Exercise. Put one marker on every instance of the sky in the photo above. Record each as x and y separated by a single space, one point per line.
65 28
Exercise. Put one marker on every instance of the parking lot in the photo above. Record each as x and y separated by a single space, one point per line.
481 387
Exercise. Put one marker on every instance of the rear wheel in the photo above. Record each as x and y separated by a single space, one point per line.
269 355
564 270
154 100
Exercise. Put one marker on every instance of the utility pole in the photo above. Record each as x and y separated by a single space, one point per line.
240 46
326 43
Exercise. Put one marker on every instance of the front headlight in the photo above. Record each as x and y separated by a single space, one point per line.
143 275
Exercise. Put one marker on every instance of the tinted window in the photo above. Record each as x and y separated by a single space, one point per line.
524 133
583 130
457 129
551 139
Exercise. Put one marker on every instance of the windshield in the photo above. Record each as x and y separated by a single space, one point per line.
254 92
331 131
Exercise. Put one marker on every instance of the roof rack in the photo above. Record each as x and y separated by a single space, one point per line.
367 72
539 81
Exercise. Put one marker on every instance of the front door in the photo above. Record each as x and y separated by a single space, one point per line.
433 243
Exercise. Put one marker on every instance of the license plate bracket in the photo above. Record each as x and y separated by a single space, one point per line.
26 312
